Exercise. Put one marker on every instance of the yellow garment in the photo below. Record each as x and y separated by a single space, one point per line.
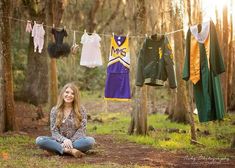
195 58
119 50
194 61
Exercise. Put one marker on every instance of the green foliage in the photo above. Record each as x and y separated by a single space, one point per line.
19 58
86 78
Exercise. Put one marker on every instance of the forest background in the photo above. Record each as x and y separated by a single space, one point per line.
35 78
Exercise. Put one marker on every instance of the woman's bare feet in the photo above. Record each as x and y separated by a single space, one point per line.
74 152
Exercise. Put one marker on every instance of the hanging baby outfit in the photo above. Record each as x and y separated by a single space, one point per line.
58 48
117 80
203 64
38 36
155 63
91 54
28 27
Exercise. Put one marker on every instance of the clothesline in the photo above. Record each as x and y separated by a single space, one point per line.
101 34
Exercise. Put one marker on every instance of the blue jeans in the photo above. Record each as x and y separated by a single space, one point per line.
48 143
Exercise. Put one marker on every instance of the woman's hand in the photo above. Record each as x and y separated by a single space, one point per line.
67 143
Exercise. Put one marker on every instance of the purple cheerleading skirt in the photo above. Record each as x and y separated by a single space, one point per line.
117 86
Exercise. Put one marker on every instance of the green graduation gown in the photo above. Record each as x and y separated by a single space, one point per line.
207 91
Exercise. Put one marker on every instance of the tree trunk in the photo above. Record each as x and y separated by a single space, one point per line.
233 142
151 105
225 54
6 69
231 66
190 89
138 123
180 108
2 78
232 102
53 82
35 90
91 18
55 12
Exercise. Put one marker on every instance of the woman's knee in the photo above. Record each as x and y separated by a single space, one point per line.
90 140
85 143
39 140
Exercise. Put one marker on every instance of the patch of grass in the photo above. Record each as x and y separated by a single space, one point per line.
91 95
219 136
113 123
20 151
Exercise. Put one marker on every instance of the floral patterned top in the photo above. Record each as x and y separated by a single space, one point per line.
68 129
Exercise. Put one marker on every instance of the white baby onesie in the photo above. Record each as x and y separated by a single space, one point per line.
38 37
91 54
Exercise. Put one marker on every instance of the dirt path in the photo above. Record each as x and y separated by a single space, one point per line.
111 150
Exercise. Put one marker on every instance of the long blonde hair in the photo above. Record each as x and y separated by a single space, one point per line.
76 105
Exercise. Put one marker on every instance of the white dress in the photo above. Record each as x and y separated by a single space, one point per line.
91 54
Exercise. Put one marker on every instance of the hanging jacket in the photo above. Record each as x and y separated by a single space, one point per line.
155 63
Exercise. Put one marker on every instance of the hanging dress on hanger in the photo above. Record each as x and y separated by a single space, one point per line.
117 80
58 48
203 65
91 54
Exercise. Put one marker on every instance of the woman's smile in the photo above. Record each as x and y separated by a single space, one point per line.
68 95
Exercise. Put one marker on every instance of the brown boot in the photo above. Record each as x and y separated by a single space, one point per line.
74 152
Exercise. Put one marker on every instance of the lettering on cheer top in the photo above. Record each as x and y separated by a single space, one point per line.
118 52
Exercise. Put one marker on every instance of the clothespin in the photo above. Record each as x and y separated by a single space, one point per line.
127 34
113 33
53 25
146 35
84 30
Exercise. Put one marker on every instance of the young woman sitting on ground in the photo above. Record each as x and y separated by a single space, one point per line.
68 121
